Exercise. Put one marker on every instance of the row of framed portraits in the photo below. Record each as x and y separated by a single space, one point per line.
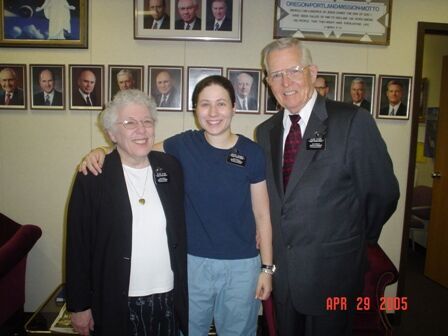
166 84
385 96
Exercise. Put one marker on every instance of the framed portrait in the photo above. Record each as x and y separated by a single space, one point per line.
165 85
359 89
195 74
394 97
12 86
86 87
44 23
47 87
326 84
247 85
270 103
202 20
123 77
360 21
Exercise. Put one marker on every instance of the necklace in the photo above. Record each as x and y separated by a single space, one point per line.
141 199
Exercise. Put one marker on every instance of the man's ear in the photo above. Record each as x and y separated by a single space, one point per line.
313 72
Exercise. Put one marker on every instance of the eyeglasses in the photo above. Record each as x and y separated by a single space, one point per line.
131 123
293 73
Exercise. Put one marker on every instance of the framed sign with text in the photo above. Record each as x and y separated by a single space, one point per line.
355 21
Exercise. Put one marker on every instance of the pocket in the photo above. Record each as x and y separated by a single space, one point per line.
341 247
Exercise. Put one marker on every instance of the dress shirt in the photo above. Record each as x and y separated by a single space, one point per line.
84 96
189 26
304 113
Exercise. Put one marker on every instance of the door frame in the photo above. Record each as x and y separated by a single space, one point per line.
422 29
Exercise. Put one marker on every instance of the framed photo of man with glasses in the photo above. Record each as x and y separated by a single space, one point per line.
165 85
246 83
12 84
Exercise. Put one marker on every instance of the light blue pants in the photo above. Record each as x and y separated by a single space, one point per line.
223 290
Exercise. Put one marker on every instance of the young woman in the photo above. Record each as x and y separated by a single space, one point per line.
227 207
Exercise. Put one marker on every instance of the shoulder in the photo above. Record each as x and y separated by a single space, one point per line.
163 158
271 122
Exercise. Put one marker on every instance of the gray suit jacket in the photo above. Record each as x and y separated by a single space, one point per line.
336 201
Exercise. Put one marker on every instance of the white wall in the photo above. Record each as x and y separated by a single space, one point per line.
40 149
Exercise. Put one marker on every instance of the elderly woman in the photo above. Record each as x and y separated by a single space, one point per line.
126 240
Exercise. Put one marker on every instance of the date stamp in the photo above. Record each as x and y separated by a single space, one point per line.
385 303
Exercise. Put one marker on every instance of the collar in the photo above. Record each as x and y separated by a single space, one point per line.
304 113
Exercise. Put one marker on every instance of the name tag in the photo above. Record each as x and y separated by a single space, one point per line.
236 159
161 176
317 143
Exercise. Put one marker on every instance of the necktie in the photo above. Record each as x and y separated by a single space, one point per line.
187 26
7 98
292 145
163 101
245 104
154 25
392 111
88 101
216 26
47 100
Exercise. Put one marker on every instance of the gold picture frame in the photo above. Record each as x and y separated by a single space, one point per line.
33 24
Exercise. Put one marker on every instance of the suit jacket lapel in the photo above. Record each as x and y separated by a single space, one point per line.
316 124
276 138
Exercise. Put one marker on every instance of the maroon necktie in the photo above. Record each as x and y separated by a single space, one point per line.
292 145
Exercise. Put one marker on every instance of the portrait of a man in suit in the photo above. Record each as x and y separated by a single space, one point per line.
219 17
358 90
166 88
393 105
157 17
11 94
124 77
326 84
188 15
86 88
246 85
45 93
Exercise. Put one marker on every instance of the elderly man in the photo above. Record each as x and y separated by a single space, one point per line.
220 20
394 95
125 79
84 94
158 18
167 94
331 188
243 87
188 15
48 96
11 94
357 93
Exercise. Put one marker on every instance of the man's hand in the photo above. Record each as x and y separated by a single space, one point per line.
264 286
92 162
82 322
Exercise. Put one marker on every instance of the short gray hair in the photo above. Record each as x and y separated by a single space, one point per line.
283 43
358 80
109 115
125 72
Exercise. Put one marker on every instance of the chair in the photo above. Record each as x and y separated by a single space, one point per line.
381 272
420 211
16 241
